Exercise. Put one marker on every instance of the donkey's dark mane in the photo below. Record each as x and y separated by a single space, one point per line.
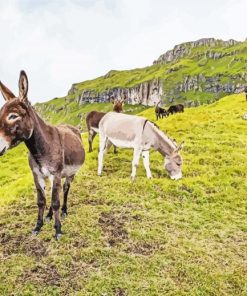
160 130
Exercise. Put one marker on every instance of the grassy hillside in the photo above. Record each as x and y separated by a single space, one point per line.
63 110
150 237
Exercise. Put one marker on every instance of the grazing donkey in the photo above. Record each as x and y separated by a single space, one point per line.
130 131
93 118
179 108
54 152
160 112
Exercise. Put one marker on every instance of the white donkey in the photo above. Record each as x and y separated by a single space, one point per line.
130 131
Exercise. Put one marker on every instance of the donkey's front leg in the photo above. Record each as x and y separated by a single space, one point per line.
55 203
135 161
145 157
41 201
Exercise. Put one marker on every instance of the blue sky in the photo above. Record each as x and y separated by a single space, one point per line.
62 42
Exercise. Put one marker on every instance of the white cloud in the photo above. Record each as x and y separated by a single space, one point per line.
62 42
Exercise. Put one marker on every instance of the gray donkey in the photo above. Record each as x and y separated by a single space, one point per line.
130 131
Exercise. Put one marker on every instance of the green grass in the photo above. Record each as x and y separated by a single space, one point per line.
150 237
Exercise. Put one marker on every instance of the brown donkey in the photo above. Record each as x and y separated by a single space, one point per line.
55 152
93 118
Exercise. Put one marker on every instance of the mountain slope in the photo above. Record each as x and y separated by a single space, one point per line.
192 73
150 237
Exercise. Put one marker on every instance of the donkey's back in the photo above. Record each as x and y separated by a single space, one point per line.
69 129
122 130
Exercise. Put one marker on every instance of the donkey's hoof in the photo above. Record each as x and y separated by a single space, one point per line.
58 236
132 178
64 214
35 232
48 219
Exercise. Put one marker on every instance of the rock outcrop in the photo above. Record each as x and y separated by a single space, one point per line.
150 92
146 93
167 87
212 84
184 49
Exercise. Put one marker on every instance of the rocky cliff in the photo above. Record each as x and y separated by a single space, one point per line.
201 70
192 73
145 93
185 49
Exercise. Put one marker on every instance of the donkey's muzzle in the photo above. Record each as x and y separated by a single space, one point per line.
177 176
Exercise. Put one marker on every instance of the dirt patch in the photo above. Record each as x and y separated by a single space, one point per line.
142 248
79 242
93 202
76 272
34 247
112 225
22 243
46 275
183 187
68 277
119 292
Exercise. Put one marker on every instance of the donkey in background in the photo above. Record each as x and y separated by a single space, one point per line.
130 131
160 112
179 108
93 118
54 152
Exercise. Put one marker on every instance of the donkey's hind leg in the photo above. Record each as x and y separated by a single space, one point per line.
108 146
55 203
66 187
91 136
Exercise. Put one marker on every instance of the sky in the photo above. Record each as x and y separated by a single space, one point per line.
60 42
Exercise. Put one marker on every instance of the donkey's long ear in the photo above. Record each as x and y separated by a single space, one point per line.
180 147
23 86
7 94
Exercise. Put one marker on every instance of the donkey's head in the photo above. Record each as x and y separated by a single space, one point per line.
16 125
173 163
118 106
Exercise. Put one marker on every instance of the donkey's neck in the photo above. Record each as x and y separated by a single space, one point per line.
162 143
39 142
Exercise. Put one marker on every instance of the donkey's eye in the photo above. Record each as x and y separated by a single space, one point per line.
13 116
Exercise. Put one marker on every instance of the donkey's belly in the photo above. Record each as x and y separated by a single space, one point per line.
122 143
70 170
